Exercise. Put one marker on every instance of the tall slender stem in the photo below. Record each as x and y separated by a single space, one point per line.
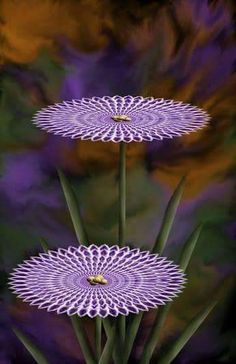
108 348
122 328
122 217
151 343
83 340
98 337
122 193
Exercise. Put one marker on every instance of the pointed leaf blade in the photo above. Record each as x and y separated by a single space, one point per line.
73 209
154 334
83 340
32 348
169 216
186 335
98 336
184 260
108 327
189 247
131 335
109 346
44 244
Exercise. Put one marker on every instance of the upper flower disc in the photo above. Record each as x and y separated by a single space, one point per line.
121 119
97 280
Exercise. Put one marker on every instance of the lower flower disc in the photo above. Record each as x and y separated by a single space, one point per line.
125 280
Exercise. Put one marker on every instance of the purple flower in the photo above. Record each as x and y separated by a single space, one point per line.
97 280
120 118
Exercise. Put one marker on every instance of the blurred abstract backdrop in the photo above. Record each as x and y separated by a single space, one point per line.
59 50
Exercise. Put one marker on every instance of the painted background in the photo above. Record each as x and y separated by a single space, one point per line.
57 50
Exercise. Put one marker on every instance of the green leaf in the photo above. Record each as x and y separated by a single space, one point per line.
108 326
163 311
32 348
109 346
131 335
189 247
98 335
83 340
122 328
74 209
44 244
169 217
186 335
158 248
154 334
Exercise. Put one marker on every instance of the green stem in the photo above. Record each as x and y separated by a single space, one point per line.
122 193
154 334
31 347
109 327
83 341
122 328
131 335
98 337
109 346
122 217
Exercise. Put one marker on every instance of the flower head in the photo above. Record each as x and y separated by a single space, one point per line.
97 280
121 119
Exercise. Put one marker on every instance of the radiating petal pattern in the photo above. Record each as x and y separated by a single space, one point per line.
148 118
136 280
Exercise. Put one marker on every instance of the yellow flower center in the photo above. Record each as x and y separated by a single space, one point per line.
99 279
121 118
